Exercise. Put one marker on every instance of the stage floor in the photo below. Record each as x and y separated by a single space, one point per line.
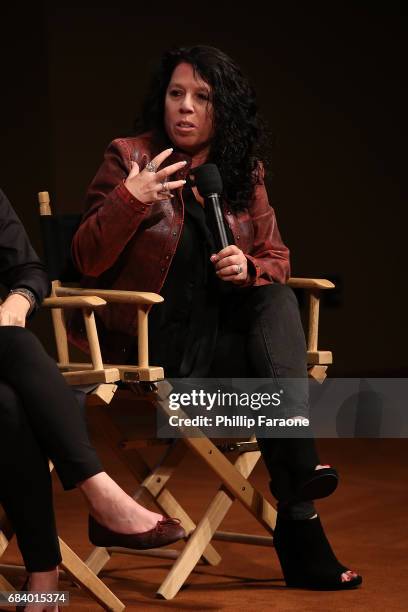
366 521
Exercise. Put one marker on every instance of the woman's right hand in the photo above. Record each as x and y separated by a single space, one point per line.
13 310
151 186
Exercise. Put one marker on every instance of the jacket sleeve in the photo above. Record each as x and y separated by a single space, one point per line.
20 266
112 217
268 260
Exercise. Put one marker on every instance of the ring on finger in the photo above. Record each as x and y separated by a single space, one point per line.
151 166
165 184
238 269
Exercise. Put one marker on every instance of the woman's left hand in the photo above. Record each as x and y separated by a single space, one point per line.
13 311
231 265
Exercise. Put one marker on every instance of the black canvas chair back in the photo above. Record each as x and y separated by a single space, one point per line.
57 233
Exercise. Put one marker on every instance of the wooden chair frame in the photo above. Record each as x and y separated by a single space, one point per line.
153 483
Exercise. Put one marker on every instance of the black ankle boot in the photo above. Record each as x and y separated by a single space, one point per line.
307 559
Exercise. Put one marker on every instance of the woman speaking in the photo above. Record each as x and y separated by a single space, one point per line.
227 312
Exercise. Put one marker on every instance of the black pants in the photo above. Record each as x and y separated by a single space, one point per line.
40 418
261 336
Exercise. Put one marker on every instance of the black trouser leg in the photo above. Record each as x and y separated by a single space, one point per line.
50 405
25 486
39 418
261 336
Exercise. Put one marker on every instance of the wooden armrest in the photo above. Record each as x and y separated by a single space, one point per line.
142 300
113 295
310 283
90 301
314 285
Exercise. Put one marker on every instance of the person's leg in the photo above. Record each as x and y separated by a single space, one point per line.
40 418
49 404
261 336
57 423
277 350
25 486
269 321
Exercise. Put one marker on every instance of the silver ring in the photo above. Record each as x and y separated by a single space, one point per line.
165 184
238 269
151 166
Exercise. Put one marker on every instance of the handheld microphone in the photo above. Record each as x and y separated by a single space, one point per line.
208 181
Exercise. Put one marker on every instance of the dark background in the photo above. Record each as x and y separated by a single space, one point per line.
331 82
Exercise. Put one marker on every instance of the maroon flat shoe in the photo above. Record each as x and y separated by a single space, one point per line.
166 532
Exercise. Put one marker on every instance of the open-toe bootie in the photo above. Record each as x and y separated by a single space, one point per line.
307 559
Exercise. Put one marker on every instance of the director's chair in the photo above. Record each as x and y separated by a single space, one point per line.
147 383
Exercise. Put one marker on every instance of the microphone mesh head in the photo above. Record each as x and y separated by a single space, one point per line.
207 179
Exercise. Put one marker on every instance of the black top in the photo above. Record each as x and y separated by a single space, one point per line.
19 263
183 329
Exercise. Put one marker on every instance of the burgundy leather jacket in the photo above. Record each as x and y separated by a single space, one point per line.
123 243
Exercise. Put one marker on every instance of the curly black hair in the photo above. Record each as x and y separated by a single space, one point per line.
239 131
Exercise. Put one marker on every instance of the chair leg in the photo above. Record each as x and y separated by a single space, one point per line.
154 485
233 480
6 531
98 558
73 566
206 528
80 573
152 488
4 541
5 585
142 472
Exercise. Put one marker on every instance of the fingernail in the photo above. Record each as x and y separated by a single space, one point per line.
171 149
213 258
184 181
184 162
